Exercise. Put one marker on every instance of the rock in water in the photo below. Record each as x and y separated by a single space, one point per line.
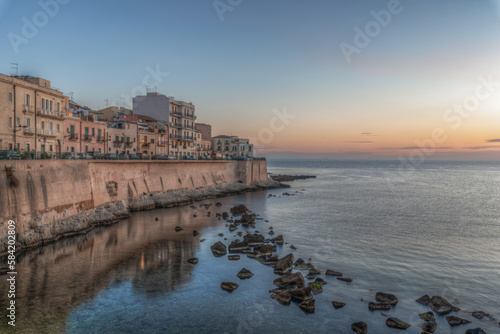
239 210
278 240
475 331
244 274
238 247
229 286
283 297
379 306
333 273
301 294
424 300
386 298
178 229
429 326
345 279
233 257
284 265
440 305
219 249
308 306
338 305
359 327
429 316
455 321
193 260
295 279
396 323
480 315
254 239
195 233
316 287
266 250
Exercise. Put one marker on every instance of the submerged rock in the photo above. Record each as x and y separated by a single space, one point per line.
337 304
239 210
284 297
218 249
455 321
333 273
244 274
345 279
379 306
193 260
359 327
397 323
440 305
480 315
475 331
424 300
229 286
308 306
429 326
233 257
386 298
195 233
428 316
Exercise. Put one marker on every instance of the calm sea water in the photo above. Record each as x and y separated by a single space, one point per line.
432 230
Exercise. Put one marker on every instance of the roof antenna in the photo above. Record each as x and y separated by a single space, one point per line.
15 66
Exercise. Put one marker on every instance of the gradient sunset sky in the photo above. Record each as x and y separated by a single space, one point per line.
248 60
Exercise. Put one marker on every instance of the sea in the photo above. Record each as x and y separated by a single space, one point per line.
409 230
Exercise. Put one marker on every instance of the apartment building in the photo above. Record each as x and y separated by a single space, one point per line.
179 115
146 142
122 137
232 146
83 133
32 115
150 125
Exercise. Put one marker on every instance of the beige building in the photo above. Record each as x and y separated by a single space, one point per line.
232 146
32 115
122 138
146 142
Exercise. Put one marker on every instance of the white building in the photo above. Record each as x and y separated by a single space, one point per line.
232 146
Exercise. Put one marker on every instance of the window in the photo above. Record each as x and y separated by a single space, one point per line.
93 132
218 148
152 141
43 104
10 97
58 128
28 147
99 134
51 106
86 148
27 100
18 122
58 106
10 122
249 148
117 139
99 150
218 142
28 123
43 125
46 105
227 148
50 148
73 150
18 147
43 147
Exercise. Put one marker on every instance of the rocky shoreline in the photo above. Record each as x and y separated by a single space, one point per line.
301 283
112 212
289 178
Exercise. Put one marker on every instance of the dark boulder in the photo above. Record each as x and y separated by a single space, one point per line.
244 274
455 321
218 249
316 287
359 327
337 304
475 331
284 297
284 265
428 316
266 250
278 240
233 257
396 323
480 315
238 247
345 279
332 273
308 306
379 306
440 305
429 326
254 239
386 298
424 300
195 233
239 210
301 294
193 260
290 280
229 286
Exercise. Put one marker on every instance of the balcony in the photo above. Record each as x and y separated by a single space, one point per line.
146 145
176 125
117 143
87 138
47 133
28 109
176 113
100 139
162 143
50 114
191 127
178 137
29 131
129 144
73 137
189 138
190 116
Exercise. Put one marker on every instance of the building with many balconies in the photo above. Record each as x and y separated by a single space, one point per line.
32 115
122 137
232 146
179 115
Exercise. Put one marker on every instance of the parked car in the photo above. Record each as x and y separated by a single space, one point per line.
96 155
171 157
158 157
10 155
143 156
134 157
70 156
187 157
216 156
85 156
110 156
124 156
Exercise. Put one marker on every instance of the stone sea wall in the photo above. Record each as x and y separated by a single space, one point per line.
52 199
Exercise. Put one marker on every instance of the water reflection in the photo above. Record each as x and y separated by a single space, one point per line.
55 279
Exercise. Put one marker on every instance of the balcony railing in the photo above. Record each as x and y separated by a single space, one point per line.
73 137
177 113
190 116
100 139
187 126
52 114
28 109
162 143
29 131
87 138
129 144
146 145
175 125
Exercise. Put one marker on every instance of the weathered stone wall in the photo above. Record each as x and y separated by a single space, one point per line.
52 190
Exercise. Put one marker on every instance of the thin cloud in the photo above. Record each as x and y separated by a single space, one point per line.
417 148
359 142
496 147
493 141
368 134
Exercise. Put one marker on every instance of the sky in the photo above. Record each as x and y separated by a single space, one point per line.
322 78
